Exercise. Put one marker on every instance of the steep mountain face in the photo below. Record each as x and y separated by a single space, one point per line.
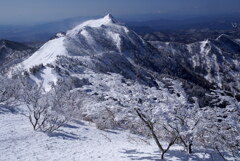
12 53
103 45
213 61
91 38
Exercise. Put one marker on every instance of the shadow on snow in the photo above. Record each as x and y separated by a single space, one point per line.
8 109
171 155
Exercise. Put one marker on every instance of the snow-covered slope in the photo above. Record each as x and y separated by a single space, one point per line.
47 53
80 141
215 61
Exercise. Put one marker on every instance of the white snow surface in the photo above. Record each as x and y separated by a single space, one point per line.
47 53
77 141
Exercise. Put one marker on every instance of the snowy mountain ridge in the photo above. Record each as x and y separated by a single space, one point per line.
91 37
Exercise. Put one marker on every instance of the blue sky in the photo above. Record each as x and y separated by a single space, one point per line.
35 11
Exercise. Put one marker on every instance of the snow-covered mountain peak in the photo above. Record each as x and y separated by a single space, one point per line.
101 45
109 15
108 20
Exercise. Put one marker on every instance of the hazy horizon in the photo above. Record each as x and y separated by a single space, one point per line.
26 12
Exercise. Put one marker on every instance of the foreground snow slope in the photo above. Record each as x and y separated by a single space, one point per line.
79 141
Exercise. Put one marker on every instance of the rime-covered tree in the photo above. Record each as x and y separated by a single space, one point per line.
221 123
47 111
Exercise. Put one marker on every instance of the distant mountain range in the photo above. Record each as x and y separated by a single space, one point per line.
189 36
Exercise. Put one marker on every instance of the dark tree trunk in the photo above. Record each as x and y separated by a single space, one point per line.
190 148
162 155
